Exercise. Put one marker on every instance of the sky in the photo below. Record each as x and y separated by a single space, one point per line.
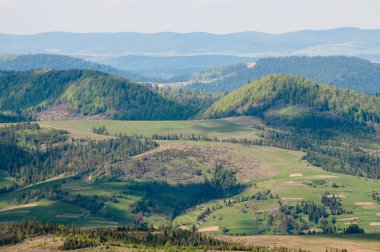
216 16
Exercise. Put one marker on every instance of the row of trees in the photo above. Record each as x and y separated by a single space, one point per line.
164 238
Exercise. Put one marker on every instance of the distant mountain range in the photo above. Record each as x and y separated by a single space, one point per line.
340 41
341 71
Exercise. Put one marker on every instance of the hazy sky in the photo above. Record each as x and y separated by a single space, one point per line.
217 16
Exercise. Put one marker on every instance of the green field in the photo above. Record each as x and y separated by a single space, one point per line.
211 128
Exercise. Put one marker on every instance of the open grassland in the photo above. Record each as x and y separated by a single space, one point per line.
211 128
46 211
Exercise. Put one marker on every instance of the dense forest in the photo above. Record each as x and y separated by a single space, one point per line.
195 100
87 93
345 72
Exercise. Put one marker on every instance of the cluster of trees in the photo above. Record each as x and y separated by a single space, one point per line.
333 202
376 196
353 229
189 137
262 195
31 155
100 130
289 219
224 182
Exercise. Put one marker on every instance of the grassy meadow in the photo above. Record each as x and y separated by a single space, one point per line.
211 128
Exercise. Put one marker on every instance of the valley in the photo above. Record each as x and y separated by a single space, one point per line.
252 163
189 126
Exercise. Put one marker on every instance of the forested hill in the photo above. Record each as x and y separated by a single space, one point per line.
59 62
346 72
86 93
274 90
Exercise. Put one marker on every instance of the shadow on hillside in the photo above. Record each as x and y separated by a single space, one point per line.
170 200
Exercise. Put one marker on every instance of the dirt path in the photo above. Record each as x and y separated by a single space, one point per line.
19 206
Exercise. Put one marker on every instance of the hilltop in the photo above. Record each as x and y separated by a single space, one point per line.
83 93
283 90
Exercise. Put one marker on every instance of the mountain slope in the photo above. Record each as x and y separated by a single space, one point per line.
342 41
278 89
86 93
345 72
59 62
